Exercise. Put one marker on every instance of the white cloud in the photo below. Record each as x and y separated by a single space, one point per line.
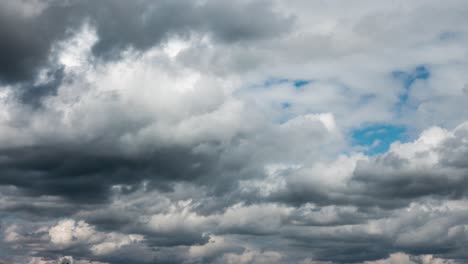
68 233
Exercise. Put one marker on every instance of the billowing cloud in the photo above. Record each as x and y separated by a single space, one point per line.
233 132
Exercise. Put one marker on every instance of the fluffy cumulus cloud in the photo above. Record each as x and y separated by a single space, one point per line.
244 131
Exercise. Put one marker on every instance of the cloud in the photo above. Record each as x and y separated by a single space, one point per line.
233 132
404 258
26 49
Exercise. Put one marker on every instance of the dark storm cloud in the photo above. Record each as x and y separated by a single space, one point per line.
27 40
344 250
84 172
383 181
410 232
175 239
85 175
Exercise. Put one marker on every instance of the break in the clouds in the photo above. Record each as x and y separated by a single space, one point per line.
233 132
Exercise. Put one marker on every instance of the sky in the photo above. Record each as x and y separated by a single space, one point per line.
233 132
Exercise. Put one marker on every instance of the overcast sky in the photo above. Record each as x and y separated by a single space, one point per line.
237 132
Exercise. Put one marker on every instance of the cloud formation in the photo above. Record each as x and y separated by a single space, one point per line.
233 132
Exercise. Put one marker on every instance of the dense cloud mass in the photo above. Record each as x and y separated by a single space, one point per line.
251 131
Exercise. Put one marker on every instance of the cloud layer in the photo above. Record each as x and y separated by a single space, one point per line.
233 132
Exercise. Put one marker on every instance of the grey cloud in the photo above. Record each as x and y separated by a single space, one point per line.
144 153
121 24
87 175
380 181
27 41
389 180
410 232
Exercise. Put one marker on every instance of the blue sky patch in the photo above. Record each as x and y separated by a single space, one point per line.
278 81
300 83
378 137
407 79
